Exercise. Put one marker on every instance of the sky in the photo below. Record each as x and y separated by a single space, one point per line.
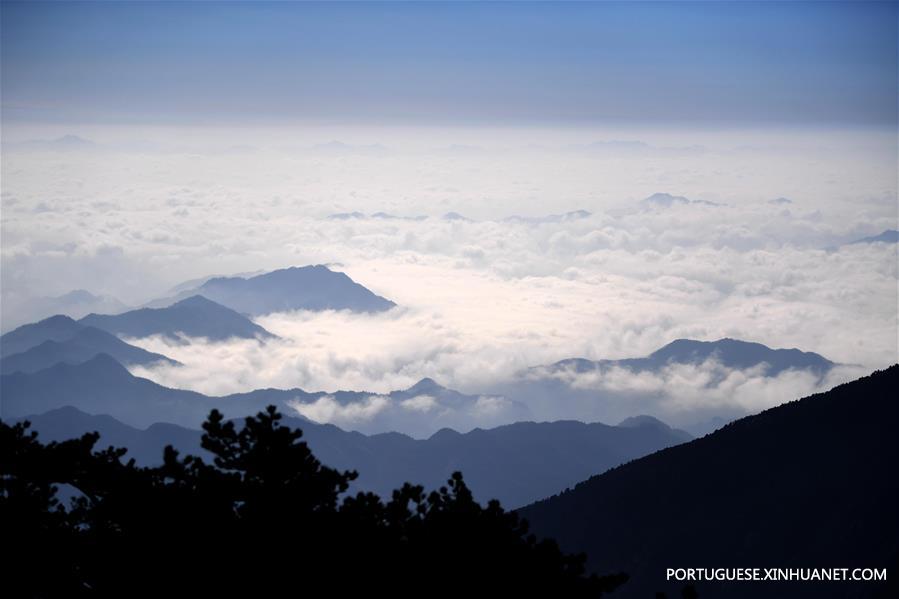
669 63
214 139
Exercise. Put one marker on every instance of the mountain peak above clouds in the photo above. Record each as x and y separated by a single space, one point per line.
667 200
456 216
888 236
549 218
734 353
315 287
424 386
731 353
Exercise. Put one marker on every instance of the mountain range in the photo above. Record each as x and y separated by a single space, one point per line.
296 288
611 390
194 316
730 353
59 362
516 463
102 385
666 200
808 484
84 343
888 236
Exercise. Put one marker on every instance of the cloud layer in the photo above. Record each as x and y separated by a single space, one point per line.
483 297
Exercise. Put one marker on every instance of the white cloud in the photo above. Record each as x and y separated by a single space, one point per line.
680 394
419 403
481 299
327 409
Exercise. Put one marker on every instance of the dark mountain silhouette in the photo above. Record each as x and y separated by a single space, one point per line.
80 347
516 463
888 236
731 353
297 288
144 445
810 483
195 316
262 518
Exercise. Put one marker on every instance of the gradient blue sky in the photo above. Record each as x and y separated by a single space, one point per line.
672 63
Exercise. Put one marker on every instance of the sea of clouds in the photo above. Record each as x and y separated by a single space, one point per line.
761 255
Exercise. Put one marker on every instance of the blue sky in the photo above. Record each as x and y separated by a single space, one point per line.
671 63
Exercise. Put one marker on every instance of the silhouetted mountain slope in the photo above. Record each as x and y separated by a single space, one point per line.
144 445
103 386
195 316
297 288
516 464
55 328
810 483
731 353
81 347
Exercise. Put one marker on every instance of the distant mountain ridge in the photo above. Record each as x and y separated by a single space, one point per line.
731 353
888 236
754 493
86 343
195 316
515 463
542 393
610 390
75 304
55 328
296 288
666 200
102 385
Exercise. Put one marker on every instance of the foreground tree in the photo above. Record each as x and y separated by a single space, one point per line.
265 518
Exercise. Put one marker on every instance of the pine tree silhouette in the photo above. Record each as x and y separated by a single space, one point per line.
264 518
